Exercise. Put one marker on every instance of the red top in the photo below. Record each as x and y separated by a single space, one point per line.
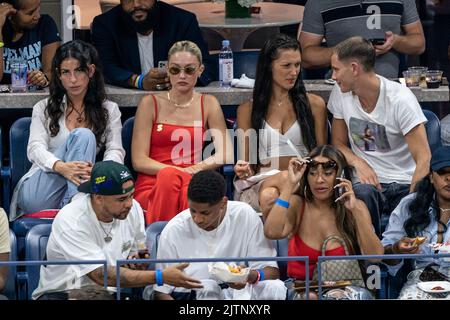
296 269
173 144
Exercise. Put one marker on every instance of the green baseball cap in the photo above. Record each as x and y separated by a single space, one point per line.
107 178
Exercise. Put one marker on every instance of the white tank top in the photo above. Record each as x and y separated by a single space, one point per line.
273 144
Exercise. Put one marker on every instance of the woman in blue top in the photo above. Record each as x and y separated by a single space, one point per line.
28 35
425 213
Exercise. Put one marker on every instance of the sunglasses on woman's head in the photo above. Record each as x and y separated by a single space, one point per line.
313 164
189 70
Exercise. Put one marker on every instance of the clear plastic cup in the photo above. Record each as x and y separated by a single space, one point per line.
19 75
433 79
412 78
423 72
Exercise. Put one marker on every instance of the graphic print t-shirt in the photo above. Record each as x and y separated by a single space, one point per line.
29 46
379 137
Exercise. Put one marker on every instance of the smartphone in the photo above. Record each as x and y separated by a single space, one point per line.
377 41
339 191
431 273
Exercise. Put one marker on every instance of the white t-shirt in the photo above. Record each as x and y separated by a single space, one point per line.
379 137
5 246
77 235
240 234
145 44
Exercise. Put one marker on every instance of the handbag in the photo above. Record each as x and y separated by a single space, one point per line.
336 270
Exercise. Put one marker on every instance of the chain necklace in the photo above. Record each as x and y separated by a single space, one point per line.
108 236
444 210
80 114
282 100
180 105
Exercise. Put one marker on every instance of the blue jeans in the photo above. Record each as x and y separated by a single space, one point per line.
380 204
50 190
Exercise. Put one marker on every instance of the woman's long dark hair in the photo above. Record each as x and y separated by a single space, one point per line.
8 30
96 115
262 92
419 218
344 221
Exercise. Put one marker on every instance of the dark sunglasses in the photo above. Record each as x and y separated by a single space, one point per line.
313 164
189 70
443 171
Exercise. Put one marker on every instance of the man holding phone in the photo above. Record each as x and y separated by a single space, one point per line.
394 28
134 37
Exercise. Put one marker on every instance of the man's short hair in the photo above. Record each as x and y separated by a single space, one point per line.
359 49
207 186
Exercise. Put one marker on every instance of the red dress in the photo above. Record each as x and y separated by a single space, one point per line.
296 247
164 195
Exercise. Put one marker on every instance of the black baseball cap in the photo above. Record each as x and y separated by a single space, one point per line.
107 179
440 158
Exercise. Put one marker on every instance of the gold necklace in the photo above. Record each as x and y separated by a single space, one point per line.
282 100
80 114
180 105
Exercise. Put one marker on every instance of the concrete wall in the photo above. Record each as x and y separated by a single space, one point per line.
53 8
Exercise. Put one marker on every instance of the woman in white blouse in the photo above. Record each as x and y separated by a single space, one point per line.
67 131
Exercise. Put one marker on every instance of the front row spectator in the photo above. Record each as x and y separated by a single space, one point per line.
379 126
5 248
310 209
67 131
425 213
215 227
106 224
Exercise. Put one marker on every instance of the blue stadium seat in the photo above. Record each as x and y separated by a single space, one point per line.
10 287
153 232
127 134
244 62
433 128
35 250
19 165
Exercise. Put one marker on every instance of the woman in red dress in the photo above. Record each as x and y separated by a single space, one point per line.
169 133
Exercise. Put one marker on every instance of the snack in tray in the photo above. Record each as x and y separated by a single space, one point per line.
235 269
438 288
418 241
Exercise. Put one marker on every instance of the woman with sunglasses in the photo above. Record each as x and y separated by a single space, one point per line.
311 208
67 131
280 111
168 137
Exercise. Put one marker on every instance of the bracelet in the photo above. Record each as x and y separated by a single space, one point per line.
135 82
2 44
282 203
159 277
141 78
261 274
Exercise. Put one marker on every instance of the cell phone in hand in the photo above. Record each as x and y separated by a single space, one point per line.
377 41
338 192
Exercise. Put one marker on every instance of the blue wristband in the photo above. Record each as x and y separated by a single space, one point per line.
261 274
141 78
282 203
159 277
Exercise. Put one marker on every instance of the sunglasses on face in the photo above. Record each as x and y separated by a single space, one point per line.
189 70
313 164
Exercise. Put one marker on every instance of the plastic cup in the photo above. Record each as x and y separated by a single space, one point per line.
433 79
423 72
19 75
412 78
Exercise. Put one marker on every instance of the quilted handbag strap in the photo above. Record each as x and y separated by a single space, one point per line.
337 238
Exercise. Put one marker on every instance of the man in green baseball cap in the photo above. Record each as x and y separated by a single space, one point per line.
105 224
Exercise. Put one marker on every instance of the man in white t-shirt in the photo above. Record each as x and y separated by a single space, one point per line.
106 224
384 125
214 227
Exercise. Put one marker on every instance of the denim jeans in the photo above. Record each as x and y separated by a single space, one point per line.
50 190
380 204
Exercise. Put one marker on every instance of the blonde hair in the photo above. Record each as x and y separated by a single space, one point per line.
187 46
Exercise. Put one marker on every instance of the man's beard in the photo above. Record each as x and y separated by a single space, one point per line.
146 25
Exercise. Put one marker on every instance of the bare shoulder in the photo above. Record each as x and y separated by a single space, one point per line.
210 101
315 100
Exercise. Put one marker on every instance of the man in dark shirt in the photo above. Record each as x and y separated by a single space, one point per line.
134 37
